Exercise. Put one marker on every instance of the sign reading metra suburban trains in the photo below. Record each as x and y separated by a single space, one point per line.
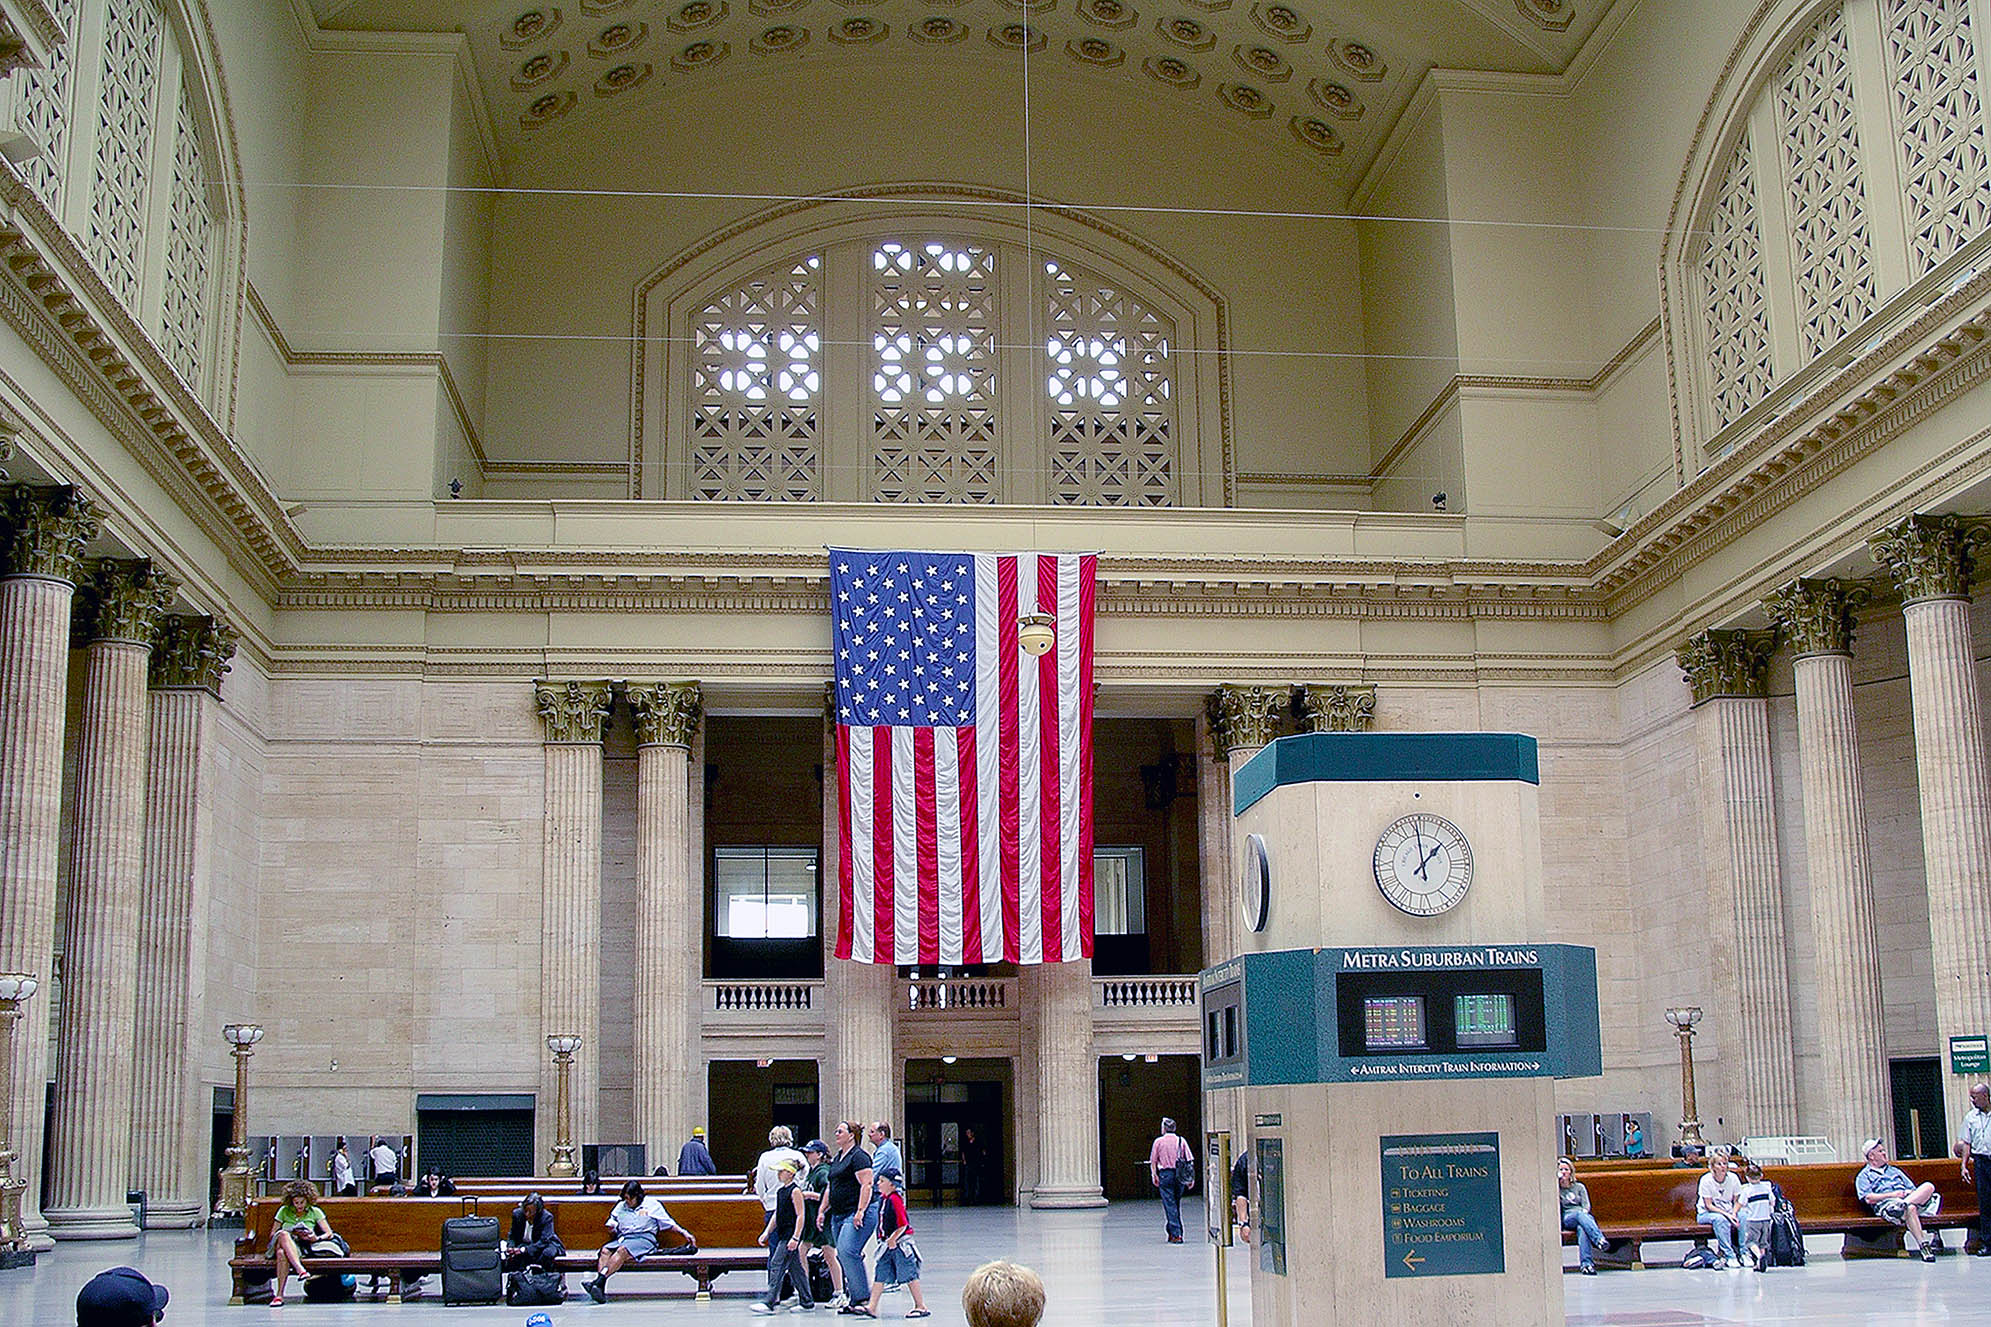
1441 1205
1401 1014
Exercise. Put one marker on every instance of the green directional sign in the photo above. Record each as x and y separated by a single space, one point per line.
1970 1055
1441 1205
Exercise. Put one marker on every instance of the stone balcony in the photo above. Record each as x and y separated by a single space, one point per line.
785 1009
1151 1015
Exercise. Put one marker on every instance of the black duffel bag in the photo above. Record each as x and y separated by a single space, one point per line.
536 1285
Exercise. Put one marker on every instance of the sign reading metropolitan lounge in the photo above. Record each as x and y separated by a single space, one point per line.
1441 1205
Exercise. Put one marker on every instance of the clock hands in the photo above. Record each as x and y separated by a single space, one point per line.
1435 850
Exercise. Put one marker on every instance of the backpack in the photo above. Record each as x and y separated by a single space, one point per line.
1700 1256
1786 1236
1185 1170
536 1285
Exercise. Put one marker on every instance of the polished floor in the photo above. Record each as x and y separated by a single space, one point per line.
1107 1266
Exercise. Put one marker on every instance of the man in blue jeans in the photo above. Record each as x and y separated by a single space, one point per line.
1165 1160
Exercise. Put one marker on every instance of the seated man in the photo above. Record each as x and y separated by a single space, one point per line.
121 1297
533 1242
1889 1192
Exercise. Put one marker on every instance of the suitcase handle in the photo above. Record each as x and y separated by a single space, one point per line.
470 1204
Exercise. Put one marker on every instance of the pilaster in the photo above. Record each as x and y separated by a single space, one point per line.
1816 619
45 533
857 1083
570 948
1931 561
669 915
95 1072
169 1143
1068 1091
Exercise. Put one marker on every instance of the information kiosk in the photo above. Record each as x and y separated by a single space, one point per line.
1396 1023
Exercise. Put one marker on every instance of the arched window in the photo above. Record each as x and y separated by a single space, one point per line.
1854 184
943 364
123 163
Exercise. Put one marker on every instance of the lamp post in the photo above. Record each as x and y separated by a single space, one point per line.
15 989
235 1175
563 1045
1683 1019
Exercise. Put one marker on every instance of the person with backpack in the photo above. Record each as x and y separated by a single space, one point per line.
1172 1168
299 1223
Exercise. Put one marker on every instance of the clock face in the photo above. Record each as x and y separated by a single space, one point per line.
1254 886
1424 864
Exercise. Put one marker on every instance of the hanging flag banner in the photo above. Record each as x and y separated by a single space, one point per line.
964 756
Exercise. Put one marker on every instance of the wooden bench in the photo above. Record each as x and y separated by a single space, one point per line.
1635 1207
401 1237
512 1189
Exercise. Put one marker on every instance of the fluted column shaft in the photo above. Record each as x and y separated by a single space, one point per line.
669 913
1850 1015
90 1160
1739 835
1950 767
860 1082
168 1144
34 651
1067 1089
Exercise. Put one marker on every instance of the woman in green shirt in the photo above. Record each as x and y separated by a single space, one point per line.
299 1221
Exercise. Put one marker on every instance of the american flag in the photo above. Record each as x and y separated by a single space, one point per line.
964 765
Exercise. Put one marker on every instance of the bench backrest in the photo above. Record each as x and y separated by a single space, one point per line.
414 1225
1822 1192
609 1184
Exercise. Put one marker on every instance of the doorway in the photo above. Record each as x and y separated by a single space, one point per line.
1135 1092
956 1137
1921 1128
748 1098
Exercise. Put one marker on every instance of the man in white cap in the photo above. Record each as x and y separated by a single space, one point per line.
1894 1197
1975 1150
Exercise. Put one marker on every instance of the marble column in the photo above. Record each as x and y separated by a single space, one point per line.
669 918
860 1080
96 1061
1751 977
46 531
169 1125
1931 561
1815 618
570 923
1338 707
1067 1088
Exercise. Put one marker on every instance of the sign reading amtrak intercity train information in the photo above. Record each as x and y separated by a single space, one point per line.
1441 1205
1401 1014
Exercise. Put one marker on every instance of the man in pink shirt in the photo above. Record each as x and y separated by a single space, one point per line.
1169 1162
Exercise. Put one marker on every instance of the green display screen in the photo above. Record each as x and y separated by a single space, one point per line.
1485 1020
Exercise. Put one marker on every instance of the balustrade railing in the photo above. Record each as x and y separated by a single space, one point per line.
1174 993
990 995
761 997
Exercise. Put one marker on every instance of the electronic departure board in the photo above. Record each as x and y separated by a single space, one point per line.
1485 1020
1393 1023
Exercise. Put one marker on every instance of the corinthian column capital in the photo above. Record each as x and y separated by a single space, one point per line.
1339 707
192 653
573 711
47 528
125 600
1726 663
1929 557
667 713
1244 716
1816 616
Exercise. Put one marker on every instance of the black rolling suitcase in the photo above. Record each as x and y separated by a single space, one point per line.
470 1264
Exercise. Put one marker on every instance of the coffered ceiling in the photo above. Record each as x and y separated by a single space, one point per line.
1325 80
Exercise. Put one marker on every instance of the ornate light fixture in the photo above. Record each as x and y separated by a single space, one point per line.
15 988
1036 633
242 1037
1683 1018
563 1045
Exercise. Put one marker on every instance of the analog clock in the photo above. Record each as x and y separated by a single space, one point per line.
1423 864
1254 886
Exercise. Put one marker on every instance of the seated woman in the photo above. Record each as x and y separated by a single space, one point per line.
636 1221
434 1184
533 1242
298 1222
591 1183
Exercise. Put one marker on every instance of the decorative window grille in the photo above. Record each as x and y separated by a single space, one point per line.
1939 124
43 113
189 236
1736 319
125 125
757 390
1831 249
933 418
1108 388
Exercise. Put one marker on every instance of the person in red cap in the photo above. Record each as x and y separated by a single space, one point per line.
120 1297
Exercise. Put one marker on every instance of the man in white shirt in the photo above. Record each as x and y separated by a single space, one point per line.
386 1164
1975 1150
766 1184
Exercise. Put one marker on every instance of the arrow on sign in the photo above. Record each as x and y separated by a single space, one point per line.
1411 1260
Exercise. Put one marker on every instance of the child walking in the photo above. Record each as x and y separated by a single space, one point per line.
1759 1204
898 1261
787 1256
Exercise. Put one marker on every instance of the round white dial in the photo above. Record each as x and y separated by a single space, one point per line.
1424 866
1254 886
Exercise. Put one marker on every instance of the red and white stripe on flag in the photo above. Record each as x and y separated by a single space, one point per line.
964 764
